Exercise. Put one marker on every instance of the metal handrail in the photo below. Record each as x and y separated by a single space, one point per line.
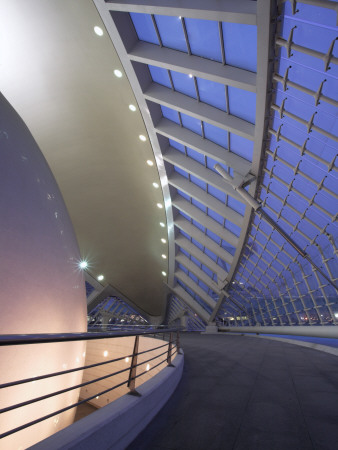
8 340
24 339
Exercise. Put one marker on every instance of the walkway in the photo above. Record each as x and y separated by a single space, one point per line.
245 393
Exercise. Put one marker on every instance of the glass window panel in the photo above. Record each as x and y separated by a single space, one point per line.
212 93
204 39
215 134
160 76
171 32
170 114
144 27
183 83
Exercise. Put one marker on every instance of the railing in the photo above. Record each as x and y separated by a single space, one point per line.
170 348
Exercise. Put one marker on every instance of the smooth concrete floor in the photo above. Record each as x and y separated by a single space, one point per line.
245 393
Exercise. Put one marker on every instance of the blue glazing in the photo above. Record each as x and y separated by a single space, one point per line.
199 157
236 230
215 134
216 217
183 83
200 183
212 93
204 39
241 146
211 164
199 205
219 195
144 27
242 104
236 205
177 146
184 195
191 123
181 172
160 76
170 114
171 32
240 45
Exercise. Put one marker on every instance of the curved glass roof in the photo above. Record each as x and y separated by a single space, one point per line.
258 97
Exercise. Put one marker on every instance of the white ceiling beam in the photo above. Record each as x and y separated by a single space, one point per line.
193 167
193 268
201 111
167 58
202 238
172 130
194 251
190 283
179 182
195 213
189 301
236 11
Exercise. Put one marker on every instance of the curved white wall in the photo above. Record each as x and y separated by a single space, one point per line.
41 287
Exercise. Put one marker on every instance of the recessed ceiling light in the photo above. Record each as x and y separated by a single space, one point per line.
100 277
150 163
83 264
118 73
162 224
164 273
98 31
159 205
156 185
148 367
142 138
105 353
132 107
190 75
163 240
164 256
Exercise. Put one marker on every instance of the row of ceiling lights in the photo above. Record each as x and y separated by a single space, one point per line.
84 264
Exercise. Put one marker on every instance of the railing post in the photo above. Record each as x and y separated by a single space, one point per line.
132 372
170 345
178 344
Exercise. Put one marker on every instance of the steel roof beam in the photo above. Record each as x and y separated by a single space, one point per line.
190 283
195 213
194 251
202 238
179 182
167 58
199 273
193 167
236 11
171 130
189 301
202 111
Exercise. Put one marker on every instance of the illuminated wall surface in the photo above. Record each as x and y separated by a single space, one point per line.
42 290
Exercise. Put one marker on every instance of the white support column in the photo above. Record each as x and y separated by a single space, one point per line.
184 243
178 159
193 268
190 139
179 274
188 300
236 11
203 239
201 111
179 182
167 58
194 212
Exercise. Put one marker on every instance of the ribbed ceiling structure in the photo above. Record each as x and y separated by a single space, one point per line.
253 89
